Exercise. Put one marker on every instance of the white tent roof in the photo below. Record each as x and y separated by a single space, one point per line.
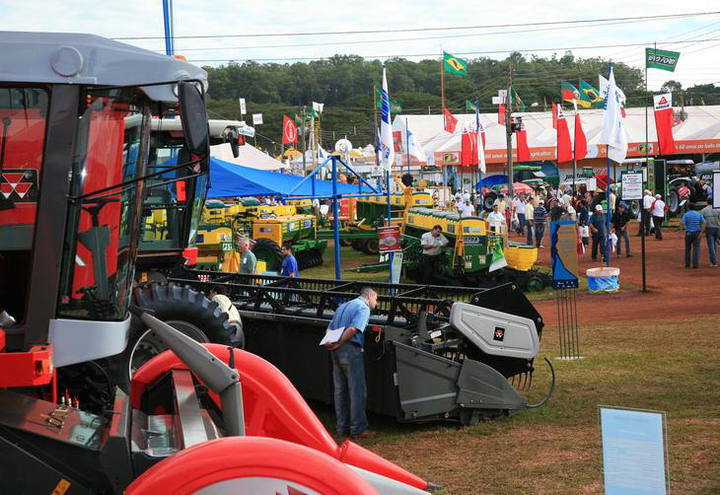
249 156
701 129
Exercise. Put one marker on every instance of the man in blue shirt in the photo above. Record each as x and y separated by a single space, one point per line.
539 222
289 267
692 222
349 364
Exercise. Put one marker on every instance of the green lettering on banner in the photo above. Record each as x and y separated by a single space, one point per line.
661 59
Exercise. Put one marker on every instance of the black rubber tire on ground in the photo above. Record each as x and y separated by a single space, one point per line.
359 244
372 246
183 308
673 203
488 200
534 284
268 251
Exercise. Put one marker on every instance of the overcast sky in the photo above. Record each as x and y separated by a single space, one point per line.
112 18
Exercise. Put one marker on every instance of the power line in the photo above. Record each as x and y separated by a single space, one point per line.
422 29
489 52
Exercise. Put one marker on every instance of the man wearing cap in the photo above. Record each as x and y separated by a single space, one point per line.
619 221
539 223
647 202
598 232
657 210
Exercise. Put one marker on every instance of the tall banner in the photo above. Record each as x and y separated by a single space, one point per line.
289 135
564 146
664 123
580 146
468 149
563 254
613 130
480 146
523 151
387 150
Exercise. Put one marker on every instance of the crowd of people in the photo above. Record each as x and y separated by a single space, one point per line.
528 215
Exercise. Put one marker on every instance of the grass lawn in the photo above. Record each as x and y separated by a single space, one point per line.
660 365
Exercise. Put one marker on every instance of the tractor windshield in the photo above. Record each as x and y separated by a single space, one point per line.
170 198
100 252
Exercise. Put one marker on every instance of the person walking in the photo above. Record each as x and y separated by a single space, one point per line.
289 267
432 244
529 217
712 231
646 205
519 207
539 223
619 221
692 223
657 210
598 232
348 363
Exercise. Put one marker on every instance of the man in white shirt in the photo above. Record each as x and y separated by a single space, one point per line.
529 219
496 220
465 195
647 202
432 244
466 209
657 210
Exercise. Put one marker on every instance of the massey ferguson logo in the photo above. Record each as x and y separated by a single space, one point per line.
662 102
19 185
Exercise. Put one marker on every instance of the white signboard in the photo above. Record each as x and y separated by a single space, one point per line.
502 93
257 119
634 453
716 190
498 100
632 186
243 108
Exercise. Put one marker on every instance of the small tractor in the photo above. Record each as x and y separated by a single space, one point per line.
76 113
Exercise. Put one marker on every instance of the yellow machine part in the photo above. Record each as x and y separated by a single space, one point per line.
451 224
155 225
521 257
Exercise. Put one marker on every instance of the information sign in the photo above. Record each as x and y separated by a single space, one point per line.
632 186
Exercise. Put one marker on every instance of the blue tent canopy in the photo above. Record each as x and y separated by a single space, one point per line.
230 180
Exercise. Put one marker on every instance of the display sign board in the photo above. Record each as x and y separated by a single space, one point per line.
396 262
563 253
634 453
257 119
498 100
389 239
716 191
632 185
243 108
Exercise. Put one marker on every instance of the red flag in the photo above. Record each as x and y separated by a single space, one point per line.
554 114
450 121
523 152
468 149
564 147
501 114
289 130
397 141
580 139
664 122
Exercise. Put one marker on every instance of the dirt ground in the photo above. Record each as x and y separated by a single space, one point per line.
672 290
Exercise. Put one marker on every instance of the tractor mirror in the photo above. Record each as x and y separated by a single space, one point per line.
193 115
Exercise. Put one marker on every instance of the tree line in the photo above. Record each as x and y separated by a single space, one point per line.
344 83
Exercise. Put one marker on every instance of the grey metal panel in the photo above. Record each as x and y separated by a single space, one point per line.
483 387
190 420
77 341
426 382
496 332
72 58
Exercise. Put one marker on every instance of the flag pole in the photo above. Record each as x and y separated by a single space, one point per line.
442 84
479 171
407 144
647 152
607 190
574 170
376 125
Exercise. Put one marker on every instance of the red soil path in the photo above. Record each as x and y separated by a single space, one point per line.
672 290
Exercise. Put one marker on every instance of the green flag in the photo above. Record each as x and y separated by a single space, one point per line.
395 107
470 106
661 59
590 96
519 105
455 65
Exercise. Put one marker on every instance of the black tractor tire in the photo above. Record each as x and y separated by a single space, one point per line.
268 251
184 309
372 246
634 207
534 283
673 203
358 245
488 200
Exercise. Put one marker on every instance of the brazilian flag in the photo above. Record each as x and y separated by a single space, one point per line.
455 65
589 96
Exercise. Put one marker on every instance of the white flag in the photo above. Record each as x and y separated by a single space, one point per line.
613 130
603 89
318 107
480 148
387 150
243 108
413 148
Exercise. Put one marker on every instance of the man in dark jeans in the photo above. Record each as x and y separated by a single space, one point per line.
598 232
619 221
539 222
692 222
